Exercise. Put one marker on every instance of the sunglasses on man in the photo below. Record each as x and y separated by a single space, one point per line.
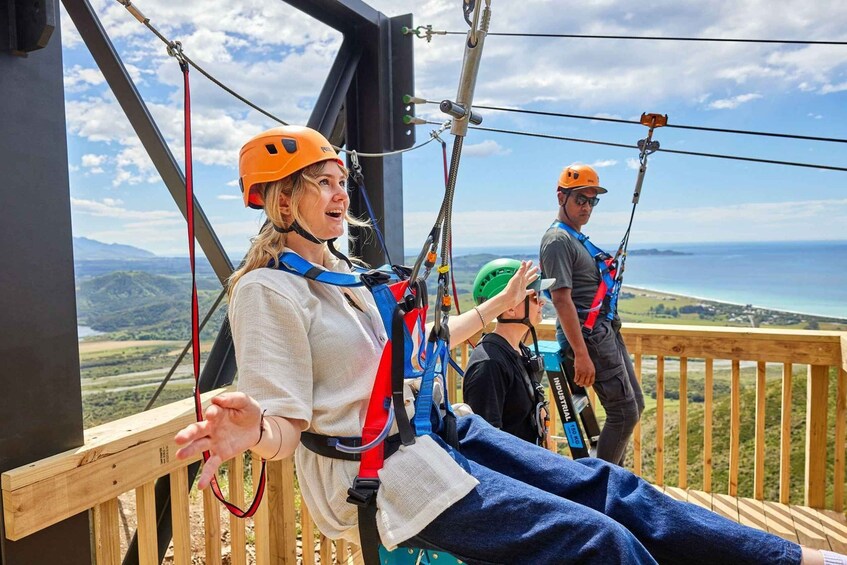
582 200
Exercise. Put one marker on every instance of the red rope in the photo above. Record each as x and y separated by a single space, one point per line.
195 323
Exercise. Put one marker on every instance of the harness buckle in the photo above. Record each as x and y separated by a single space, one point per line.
363 492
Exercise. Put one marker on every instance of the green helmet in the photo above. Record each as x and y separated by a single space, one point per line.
495 275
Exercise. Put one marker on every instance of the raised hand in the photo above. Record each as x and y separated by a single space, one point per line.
515 290
231 427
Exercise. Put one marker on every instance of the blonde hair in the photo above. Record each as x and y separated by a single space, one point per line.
268 244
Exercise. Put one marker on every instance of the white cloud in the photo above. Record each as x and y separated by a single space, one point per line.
111 208
228 197
633 163
604 163
487 148
78 79
94 163
92 160
830 88
734 102
780 221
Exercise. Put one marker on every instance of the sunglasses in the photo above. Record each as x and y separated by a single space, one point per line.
582 200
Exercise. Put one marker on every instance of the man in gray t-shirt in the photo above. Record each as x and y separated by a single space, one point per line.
598 357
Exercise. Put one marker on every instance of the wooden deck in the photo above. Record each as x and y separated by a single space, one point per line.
812 527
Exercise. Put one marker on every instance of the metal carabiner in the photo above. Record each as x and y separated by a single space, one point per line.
175 50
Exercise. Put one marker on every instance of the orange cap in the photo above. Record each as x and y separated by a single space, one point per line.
577 177
277 153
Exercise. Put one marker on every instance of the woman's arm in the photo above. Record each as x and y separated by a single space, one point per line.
467 324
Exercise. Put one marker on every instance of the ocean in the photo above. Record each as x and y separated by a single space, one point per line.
806 277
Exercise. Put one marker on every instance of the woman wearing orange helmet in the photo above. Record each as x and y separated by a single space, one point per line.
307 355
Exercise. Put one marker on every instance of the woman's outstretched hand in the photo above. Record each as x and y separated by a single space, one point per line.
231 427
515 290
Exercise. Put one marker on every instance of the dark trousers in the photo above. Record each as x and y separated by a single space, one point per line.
615 385
536 507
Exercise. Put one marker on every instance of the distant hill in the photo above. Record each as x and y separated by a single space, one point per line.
91 250
141 305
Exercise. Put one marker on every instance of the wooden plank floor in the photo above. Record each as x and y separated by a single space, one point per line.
818 529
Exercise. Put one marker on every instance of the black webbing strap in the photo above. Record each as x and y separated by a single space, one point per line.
363 494
398 369
325 445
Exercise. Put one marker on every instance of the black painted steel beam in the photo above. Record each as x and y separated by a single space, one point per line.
40 388
328 106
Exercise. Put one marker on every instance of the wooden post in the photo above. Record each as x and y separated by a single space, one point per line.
840 430
283 521
261 519
145 508
308 530
660 420
683 422
237 533
106 533
179 516
759 440
785 436
212 523
326 550
707 424
734 427
816 406
636 433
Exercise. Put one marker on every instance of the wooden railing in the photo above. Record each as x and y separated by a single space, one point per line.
129 455
824 354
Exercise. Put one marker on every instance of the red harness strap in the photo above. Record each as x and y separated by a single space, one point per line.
195 325
599 297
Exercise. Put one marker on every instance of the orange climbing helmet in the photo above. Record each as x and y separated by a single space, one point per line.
277 153
577 177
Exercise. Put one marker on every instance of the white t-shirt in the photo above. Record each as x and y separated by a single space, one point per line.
304 351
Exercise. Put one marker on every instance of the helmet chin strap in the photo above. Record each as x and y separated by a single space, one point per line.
525 321
299 230
565 205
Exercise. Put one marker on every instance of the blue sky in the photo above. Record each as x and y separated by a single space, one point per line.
275 56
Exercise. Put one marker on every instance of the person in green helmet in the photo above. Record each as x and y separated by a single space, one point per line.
502 380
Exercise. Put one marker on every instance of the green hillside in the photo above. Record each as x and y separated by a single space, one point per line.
139 305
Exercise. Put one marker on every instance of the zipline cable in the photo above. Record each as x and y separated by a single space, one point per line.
675 126
426 32
663 38
174 46
415 100
675 151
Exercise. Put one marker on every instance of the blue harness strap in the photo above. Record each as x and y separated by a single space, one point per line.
428 362
603 261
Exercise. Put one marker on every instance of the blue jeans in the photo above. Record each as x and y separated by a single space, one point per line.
615 384
533 506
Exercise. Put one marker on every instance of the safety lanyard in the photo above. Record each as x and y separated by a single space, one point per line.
195 324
